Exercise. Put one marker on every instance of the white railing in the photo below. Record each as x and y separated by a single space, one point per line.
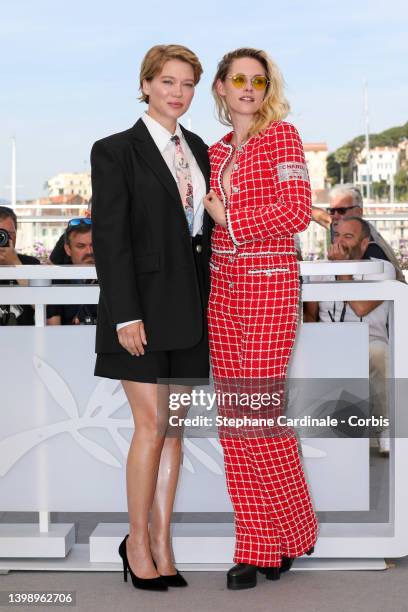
308 268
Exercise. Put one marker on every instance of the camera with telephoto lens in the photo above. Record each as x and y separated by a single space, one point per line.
4 238
85 317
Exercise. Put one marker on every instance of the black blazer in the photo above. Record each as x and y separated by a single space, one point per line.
141 241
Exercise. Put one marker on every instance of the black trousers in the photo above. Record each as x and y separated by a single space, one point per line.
184 366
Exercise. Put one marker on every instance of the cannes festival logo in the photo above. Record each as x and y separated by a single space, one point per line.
106 399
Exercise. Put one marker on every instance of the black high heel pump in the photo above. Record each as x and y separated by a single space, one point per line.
148 584
172 580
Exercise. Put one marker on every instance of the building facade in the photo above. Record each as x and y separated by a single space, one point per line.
384 163
316 160
42 221
68 184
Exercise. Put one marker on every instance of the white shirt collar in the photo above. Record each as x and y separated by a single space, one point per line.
160 134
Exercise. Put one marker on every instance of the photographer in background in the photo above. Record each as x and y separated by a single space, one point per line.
351 242
13 314
78 247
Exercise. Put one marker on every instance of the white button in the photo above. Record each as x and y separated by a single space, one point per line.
235 166
239 148
235 189
231 285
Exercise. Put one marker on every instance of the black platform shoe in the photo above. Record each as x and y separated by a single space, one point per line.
271 573
287 562
242 576
148 584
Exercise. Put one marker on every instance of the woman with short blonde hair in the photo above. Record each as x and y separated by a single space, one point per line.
157 56
151 244
260 198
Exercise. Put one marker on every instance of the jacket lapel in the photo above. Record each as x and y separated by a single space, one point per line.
148 150
200 155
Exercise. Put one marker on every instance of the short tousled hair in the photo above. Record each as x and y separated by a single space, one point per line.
157 56
8 213
274 106
348 189
76 229
365 227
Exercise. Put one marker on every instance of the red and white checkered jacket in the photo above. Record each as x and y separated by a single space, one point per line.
270 192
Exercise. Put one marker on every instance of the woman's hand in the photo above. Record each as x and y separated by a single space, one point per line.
215 208
133 338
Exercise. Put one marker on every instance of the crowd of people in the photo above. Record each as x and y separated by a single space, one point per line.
74 247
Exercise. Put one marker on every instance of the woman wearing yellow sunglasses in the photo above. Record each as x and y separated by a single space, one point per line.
260 197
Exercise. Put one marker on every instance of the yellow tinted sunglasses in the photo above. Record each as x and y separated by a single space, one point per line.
259 82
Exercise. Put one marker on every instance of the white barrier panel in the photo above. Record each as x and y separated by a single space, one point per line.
64 434
64 429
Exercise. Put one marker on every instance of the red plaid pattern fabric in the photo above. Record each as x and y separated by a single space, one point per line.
263 205
252 317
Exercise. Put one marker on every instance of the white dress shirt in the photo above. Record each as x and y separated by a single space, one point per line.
162 139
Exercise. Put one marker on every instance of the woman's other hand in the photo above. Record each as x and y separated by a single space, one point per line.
133 338
215 208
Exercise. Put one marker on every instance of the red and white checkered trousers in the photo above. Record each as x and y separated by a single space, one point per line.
252 317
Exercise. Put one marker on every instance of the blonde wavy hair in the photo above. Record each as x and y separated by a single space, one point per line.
158 55
274 106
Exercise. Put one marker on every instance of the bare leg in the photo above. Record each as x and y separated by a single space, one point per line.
147 402
165 493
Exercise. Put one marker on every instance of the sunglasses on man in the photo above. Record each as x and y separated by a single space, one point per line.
341 210
79 221
73 224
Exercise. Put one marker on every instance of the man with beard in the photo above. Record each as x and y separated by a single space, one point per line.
351 240
346 201
78 247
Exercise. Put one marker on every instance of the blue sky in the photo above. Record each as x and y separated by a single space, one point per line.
69 71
